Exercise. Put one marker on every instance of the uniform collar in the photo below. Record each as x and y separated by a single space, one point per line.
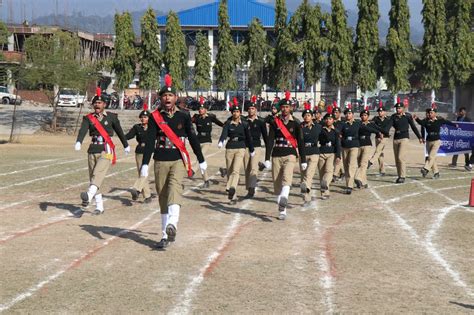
104 113
170 114
330 128
287 119
238 122
310 124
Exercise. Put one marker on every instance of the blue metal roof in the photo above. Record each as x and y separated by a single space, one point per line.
241 13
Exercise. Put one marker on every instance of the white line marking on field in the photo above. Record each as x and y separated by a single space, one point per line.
326 279
43 166
396 199
23 162
32 290
416 181
426 244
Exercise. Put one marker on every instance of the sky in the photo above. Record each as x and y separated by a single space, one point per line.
35 8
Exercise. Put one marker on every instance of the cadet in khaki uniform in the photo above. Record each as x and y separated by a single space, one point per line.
329 152
432 125
338 167
382 122
170 161
258 130
365 149
284 152
401 121
237 131
101 153
204 121
311 131
138 132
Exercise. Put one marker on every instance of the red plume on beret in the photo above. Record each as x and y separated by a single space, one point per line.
433 105
98 91
201 99
254 99
287 95
366 107
275 100
380 104
145 106
168 80
235 101
398 99
307 106
329 109
334 104
349 105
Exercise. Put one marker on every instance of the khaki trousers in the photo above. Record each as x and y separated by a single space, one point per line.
205 147
307 176
400 149
378 154
350 165
363 161
168 178
326 168
98 167
338 167
432 148
282 172
141 184
251 168
234 159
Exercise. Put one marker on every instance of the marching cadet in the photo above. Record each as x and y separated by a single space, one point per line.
311 131
401 121
258 130
365 148
204 121
167 132
350 144
317 116
432 125
237 131
382 122
273 111
329 152
338 167
101 153
138 132
285 144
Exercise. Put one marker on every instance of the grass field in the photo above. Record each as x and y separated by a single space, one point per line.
390 248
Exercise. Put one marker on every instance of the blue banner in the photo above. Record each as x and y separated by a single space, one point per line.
456 140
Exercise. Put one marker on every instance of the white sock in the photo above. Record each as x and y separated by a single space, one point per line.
173 211
99 202
92 191
164 223
285 192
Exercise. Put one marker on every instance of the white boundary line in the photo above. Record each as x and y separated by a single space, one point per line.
424 192
23 162
38 167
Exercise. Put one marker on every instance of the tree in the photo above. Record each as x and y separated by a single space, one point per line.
433 52
366 46
176 53
150 52
283 54
125 55
460 63
256 48
226 52
51 64
340 59
202 66
3 36
398 47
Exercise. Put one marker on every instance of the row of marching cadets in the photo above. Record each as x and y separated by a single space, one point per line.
325 143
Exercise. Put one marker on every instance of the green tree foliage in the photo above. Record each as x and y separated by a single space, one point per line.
52 63
202 66
256 51
366 45
226 59
340 59
398 47
284 52
3 36
176 52
433 52
460 43
150 52
125 54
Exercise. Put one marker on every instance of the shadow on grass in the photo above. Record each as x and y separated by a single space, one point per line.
468 306
73 209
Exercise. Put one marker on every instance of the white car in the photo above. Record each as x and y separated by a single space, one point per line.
7 97
71 98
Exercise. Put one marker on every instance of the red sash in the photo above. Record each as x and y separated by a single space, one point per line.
288 136
104 135
175 140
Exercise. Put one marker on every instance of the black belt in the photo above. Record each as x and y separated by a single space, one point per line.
309 144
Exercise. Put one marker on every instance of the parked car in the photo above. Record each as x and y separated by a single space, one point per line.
71 98
7 97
